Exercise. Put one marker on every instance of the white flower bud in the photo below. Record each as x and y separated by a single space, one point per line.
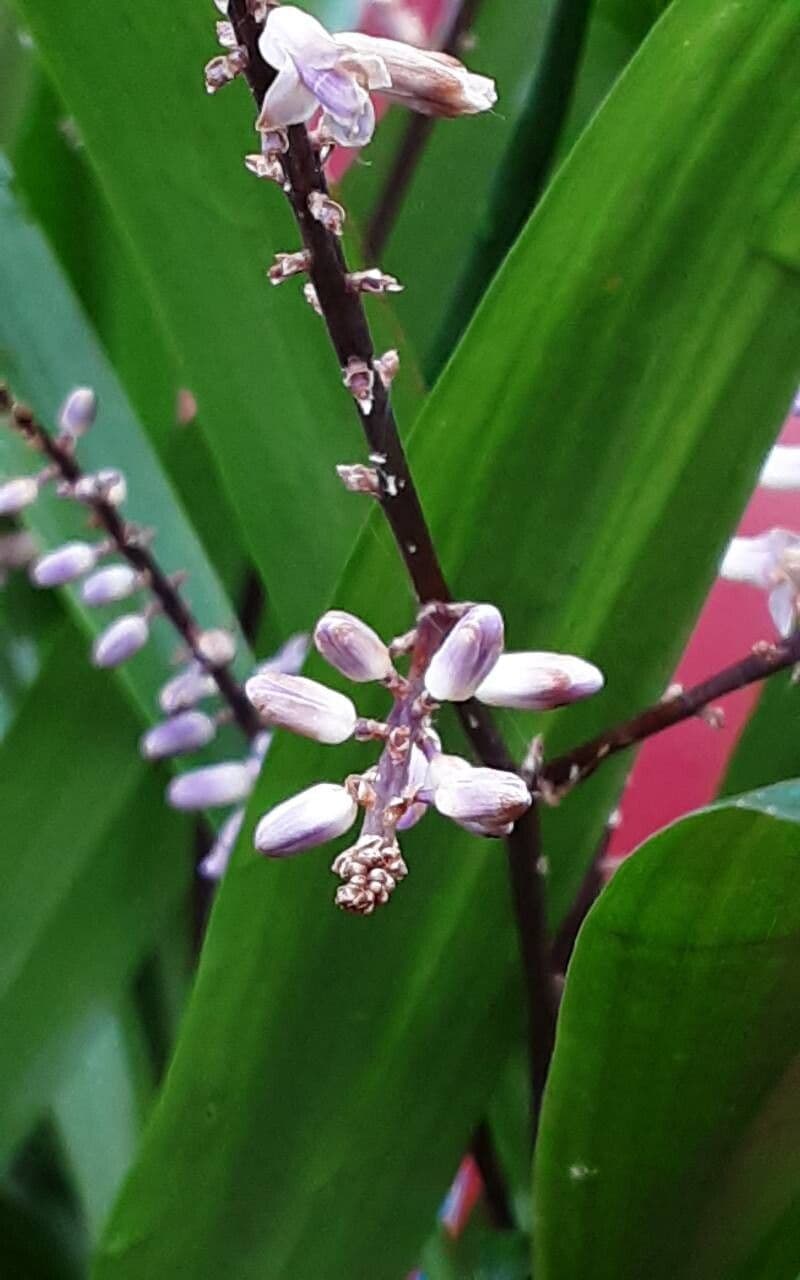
352 647
213 786
78 412
443 767
316 815
488 798
64 565
216 647
304 706
107 586
17 494
467 655
119 642
186 689
187 731
538 681
782 468
289 658
215 863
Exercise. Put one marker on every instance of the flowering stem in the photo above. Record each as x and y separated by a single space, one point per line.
350 335
412 145
765 659
133 550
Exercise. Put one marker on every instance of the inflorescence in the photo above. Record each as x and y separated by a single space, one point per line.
455 653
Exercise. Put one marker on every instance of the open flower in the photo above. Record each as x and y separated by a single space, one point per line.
455 653
334 73
770 562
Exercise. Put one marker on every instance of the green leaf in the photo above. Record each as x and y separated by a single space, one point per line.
635 354
46 347
768 749
93 864
268 388
668 1142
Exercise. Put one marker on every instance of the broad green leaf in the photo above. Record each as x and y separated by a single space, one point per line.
100 1106
668 1142
203 229
46 347
92 866
631 362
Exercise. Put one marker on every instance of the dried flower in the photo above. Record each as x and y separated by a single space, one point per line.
467 656
360 381
327 211
314 816
357 478
771 562
538 681
215 863
224 68
17 494
187 731
213 786
425 80
387 366
287 265
78 412
352 647
119 642
302 705
373 280
107 586
68 562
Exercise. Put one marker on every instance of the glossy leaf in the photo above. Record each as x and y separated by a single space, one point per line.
203 229
47 347
768 748
92 866
640 345
667 1146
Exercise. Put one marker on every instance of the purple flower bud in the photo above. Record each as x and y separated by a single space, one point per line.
467 655
216 647
119 642
107 485
64 565
538 681
186 689
443 767
78 411
187 731
352 647
16 549
109 585
490 798
316 815
215 863
213 786
304 706
289 658
417 775
17 494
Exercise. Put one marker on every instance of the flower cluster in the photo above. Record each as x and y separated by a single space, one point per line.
133 572
455 653
334 74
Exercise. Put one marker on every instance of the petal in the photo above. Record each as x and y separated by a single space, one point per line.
538 681
352 647
755 560
467 655
428 81
782 468
316 815
490 798
291 33
287 101
355 132
783 607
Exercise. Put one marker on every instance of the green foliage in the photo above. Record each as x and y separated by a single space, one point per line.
668 1142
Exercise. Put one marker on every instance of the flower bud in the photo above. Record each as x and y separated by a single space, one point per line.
17 494
417 775
467 655
213 786
107 586
538 681
216 647
187 731
352 647
443 767
64 565
316 815
289 658
16 549
78 412
215 863
304 706
490 798
186 689
119 642
108 485
782 468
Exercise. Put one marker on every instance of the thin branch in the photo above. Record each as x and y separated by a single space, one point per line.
764 660
495 1191
350 335
412 145
131 547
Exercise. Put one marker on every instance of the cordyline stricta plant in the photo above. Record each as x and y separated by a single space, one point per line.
609 512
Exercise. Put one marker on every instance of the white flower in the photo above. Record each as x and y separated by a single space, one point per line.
335 72
770 562
782 468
